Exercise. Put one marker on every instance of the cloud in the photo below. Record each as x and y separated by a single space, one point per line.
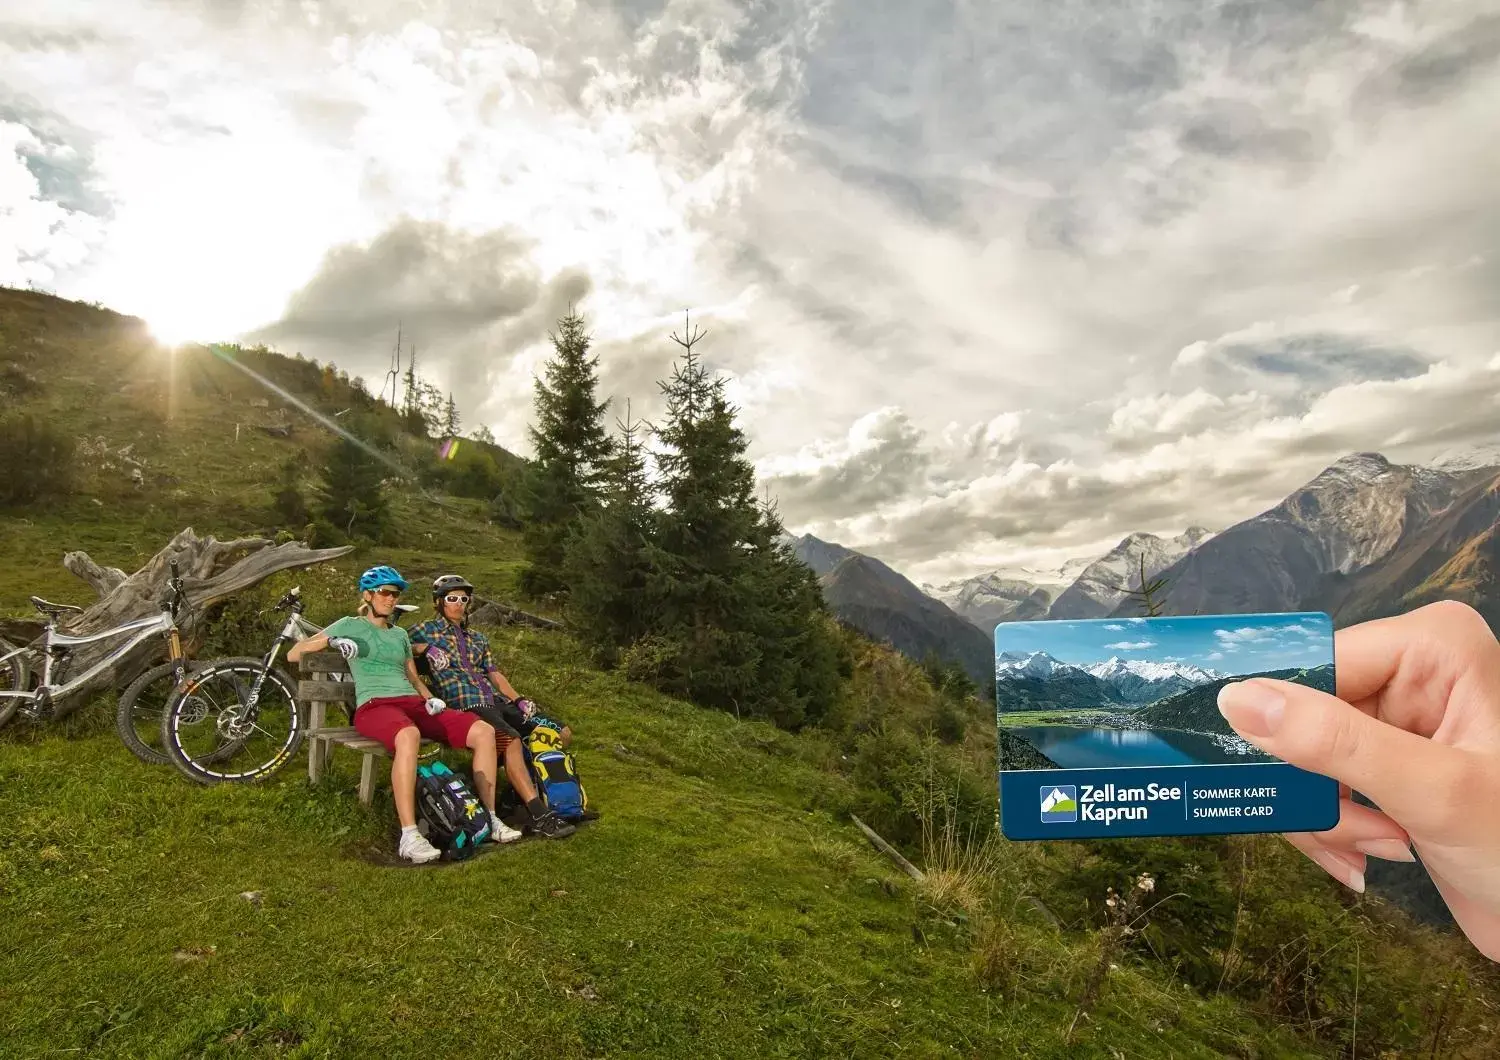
1131 645
988 291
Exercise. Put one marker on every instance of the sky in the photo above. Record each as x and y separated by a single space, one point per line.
991 283
1227 644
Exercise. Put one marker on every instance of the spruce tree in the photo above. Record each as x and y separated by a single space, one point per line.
611 562
352 496
450 418
739 621
572 449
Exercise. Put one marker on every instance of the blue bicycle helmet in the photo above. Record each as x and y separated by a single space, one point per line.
375 577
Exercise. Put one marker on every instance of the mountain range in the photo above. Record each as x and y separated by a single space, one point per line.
1363 539
1112 682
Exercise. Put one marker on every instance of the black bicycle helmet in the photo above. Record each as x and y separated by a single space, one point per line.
446 583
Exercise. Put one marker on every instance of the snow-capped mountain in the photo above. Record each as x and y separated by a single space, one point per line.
1132 680
1350 517
1029 664
1102 585
1008 594
1145 681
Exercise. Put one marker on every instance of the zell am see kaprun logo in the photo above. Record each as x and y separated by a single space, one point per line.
1059 803
1103 803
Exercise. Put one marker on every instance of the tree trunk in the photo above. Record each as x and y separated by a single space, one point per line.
208 578
492 613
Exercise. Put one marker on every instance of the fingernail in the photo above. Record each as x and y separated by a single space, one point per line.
1340 870
1388 849
1253 708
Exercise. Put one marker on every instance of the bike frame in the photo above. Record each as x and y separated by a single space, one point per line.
144 628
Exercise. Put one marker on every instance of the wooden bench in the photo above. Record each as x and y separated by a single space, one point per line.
320 686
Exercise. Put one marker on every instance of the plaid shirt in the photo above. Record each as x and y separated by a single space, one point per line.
464 683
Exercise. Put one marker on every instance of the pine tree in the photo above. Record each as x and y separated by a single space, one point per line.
450 418
352 497
572 450
485 435
739 622
289 505
611 561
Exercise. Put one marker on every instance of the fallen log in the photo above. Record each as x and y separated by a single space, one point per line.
888 850
210 575
493 613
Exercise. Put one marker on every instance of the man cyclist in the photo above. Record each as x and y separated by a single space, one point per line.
396 708
464 671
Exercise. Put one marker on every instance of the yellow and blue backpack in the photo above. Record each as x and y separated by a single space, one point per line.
555 770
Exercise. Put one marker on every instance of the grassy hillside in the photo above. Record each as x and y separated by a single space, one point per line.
724 905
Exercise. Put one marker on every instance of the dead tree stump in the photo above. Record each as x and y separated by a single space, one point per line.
210 575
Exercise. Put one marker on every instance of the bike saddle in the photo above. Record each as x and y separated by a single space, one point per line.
407 609
47 607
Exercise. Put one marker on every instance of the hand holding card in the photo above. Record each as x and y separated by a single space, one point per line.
1416 728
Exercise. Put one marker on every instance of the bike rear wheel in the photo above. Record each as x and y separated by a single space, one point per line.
12 679
213 733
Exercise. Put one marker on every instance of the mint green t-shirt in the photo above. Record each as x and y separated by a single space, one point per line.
380 667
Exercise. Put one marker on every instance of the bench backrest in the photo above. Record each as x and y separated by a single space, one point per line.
315 686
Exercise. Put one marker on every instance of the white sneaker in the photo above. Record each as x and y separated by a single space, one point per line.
416 849
500 832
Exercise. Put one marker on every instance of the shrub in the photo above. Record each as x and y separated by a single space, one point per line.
38 458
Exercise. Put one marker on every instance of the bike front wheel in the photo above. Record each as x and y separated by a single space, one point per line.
234 720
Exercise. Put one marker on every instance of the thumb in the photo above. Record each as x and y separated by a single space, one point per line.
1413 780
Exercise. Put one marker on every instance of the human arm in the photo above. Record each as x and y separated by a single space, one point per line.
504 687
416 680
315 643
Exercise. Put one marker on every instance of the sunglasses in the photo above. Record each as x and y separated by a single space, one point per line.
455 598
393 593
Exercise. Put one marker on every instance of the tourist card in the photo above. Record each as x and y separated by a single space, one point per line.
1111 727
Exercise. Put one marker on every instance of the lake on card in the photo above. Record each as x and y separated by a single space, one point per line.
1072 747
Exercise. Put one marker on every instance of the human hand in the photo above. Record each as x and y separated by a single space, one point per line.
437 658
436 706
526 707
344 646
1415 728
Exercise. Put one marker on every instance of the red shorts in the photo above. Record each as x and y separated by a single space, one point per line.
381 719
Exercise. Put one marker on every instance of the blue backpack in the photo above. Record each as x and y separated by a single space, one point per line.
555 770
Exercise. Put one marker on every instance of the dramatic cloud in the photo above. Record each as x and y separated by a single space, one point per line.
991 284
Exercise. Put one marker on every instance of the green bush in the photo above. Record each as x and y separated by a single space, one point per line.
38 459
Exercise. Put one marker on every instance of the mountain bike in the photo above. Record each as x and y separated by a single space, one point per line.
238 720
138 717
35 677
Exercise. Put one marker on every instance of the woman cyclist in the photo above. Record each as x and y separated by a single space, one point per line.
394 707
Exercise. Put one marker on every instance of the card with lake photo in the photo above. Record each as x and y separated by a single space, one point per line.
1112 726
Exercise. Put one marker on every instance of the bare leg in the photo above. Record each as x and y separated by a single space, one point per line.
516 772
404 775
482 742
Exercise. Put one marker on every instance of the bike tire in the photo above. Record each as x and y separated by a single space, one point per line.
133 709
193 699
12 679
